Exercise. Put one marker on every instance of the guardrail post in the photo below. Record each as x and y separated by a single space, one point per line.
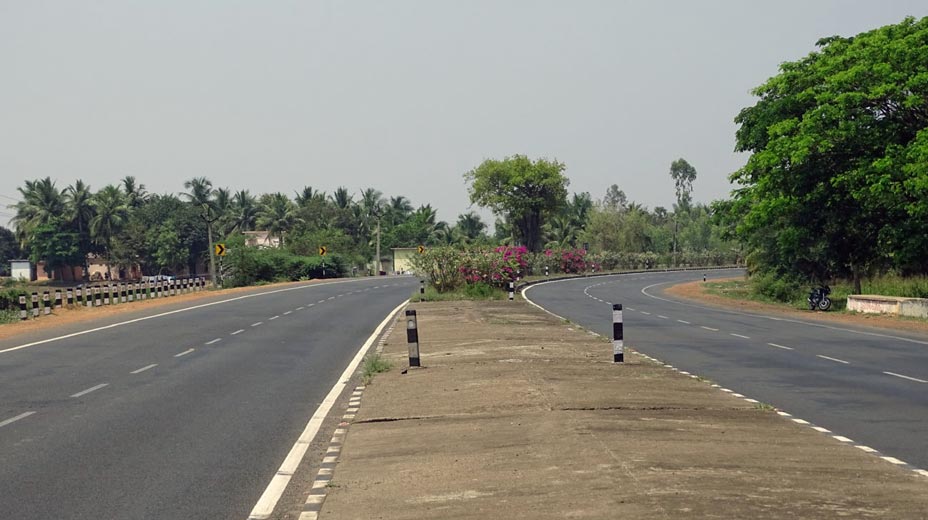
618 344
512 290
57 298
546 271
46 303
35 305
79 295
172 284
123 290
70 296
23 313
97 296
412 337
421 290
704 277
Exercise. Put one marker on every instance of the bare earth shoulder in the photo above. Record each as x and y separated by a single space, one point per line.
520 415
696 291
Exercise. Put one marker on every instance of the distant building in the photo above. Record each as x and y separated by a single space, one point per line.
260 239
21 269
402 259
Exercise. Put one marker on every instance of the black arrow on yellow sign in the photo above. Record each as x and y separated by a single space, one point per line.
421 249
323 250
220 249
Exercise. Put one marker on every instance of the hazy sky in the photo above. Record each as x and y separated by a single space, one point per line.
401 96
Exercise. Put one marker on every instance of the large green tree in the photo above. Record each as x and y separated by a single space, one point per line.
524 191
837 180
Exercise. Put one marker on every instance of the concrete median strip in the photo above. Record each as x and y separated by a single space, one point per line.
515 416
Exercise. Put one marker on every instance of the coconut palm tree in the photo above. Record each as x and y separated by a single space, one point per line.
276 215
80 211
201 196
244 211
135 191
470 226
341 198
398 210
42 204
222 200
110 215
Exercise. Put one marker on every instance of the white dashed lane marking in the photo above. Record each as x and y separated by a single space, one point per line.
739 336
149 367
217 340
780 346
836 360
646 313
905 377
684 322
709 328
663 317
184 353
91 389
841 438
288 313
239 331
272 318
300 308
11 420
257 324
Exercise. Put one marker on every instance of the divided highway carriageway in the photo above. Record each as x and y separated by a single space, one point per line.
180 412
861 385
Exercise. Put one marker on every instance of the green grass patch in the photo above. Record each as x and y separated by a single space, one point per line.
374 364
9 316
479 291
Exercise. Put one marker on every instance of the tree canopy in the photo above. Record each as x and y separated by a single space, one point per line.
522 190
837 180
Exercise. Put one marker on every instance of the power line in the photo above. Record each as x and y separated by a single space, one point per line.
8 197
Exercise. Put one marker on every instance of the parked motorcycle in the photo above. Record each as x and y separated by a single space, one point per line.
818 298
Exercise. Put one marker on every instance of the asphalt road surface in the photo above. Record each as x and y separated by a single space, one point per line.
866 384
184 416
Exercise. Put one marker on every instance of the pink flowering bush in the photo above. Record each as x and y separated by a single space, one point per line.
573 261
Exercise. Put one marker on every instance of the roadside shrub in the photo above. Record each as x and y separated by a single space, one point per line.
781 288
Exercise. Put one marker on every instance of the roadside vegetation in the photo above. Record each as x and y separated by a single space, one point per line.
836 187
374 364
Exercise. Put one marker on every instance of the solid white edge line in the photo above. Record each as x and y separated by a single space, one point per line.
149 367
168 313
906 377
11 420
184 353
275 489
91 389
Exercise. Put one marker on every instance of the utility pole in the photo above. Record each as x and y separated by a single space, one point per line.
379 266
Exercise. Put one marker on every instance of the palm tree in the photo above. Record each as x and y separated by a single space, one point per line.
398 210
372 206
470 226
561 230
244 211
135 192
80 210
308 195
342 198
201 196
111 214
222 200
277 215
42 204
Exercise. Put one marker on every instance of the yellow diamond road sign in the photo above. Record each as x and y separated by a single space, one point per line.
323 250
220 249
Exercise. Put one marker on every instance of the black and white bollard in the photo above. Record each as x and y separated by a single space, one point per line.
23 312
46 303
546 271
618 345
80 295
421 290
70 296
35 305
512 290
123 293
412 337
704 277
57 298
97 296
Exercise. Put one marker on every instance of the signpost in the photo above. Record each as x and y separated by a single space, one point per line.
221 251
323 250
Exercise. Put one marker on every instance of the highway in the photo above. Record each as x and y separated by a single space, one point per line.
863 385
185 415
